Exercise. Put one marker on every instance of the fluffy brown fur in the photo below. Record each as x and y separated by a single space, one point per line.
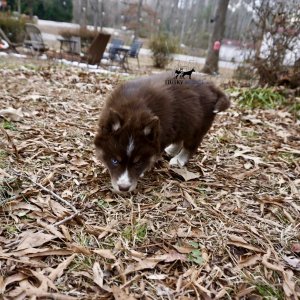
142 117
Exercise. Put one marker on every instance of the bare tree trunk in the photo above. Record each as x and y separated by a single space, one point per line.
83 12
187 4
95 10
156 14
139 20
102 13
19 8
212 59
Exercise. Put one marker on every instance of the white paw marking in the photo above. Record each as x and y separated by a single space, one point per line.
173 149
180 159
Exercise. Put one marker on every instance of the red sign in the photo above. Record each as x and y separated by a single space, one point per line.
217 46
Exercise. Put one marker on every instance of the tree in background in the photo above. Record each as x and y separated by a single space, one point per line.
212 59
55 10
139 18
275 31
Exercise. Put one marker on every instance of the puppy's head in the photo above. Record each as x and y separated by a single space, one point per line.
128 146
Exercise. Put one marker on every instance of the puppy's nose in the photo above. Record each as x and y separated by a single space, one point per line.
124 187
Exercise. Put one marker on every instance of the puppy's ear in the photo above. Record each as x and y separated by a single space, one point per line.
115 121
151 129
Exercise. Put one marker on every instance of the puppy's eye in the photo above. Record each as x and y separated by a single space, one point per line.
114 162
137 162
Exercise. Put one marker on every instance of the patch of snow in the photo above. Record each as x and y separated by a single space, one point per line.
18 55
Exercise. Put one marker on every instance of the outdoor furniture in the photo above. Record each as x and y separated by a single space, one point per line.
135 49
121 54
114 45
11 45
72 44
33 39
95 51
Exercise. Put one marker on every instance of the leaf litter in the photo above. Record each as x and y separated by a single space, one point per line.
230 229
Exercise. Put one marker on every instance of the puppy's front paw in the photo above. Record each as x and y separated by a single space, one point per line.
177 161
173 149
180 159
173 162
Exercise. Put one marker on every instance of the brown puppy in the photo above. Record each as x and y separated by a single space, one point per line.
143 117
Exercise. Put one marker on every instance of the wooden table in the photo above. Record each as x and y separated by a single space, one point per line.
122 54
70 43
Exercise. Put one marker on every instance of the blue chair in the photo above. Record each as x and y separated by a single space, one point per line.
113 48
135 49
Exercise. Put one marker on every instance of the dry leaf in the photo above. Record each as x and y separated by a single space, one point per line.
12 114
172 256
10 279
189 198
269 265
45 281
288 284
184 249
78 162
34 293
148 263
52 229
98 274
48 178
76 248
243 175
106 253
119 294
249 261
185 174
292 261
295 248
240 242
36 252
61 267
66 233
36 239
235 238
58 209
241 153
98 277
157 276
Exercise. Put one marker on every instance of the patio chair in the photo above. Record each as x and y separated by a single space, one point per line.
114 45
33 39
11 46
135 50
96 50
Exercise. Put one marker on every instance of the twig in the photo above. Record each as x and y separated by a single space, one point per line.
11 143
66 219
49 191
54 195
2 202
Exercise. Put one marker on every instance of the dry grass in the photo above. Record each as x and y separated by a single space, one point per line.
232 233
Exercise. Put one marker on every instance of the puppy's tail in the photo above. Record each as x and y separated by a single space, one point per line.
222 101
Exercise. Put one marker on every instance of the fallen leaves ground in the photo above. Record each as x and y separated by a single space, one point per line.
230 233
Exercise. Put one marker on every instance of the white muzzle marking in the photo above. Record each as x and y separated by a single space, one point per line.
124 183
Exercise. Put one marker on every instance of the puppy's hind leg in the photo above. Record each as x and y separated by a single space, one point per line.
174 149
190 147
181 158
